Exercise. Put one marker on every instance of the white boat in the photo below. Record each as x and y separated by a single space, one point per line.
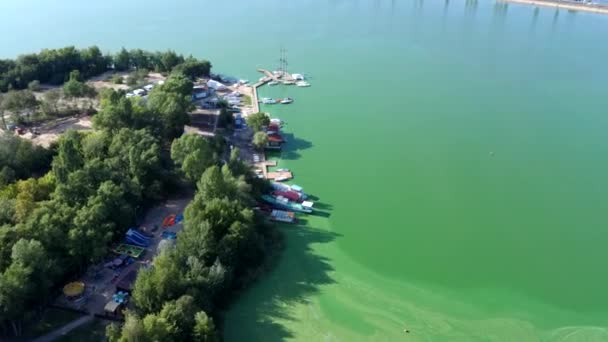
282 170
273 83
268 100
297 77
281 179
302 84
287 100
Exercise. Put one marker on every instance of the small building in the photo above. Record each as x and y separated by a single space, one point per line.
113 308
127 282
275 141
215 85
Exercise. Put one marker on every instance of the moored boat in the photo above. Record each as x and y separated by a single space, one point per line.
268 100
287 100
302 84
284 203
283 216
290 195
285 187
273 83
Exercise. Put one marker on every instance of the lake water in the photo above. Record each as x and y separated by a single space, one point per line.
458 150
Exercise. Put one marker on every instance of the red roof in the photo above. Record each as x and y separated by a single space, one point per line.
275 138
290 195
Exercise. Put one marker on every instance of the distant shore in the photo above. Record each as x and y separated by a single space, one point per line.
563 4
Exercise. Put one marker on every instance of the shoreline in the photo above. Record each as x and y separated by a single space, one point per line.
564 5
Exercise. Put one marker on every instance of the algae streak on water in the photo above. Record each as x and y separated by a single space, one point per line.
424 229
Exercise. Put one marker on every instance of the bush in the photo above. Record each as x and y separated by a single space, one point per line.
117 79
34 85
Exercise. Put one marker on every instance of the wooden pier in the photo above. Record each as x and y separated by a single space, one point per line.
264 165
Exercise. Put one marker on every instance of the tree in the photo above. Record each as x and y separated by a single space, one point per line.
225 119
51 100
180 315
168 60
155 286
76 88
194 154
20 103
204 329
258 121
122 60
2 112
172 101
140 59
69 157
34 85
194 68
260 140
24 281
21 158
118 112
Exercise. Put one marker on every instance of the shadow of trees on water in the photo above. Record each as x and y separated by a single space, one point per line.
292 149
298 274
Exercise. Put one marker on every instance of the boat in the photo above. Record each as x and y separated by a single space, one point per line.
302 84
282 178
268 100
282 170
283 203
280 187
287 100
273 83
289 82
297 188
290 195
283 216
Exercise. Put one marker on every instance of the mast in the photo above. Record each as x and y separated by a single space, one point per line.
283 61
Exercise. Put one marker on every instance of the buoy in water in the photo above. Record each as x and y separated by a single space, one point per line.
491 154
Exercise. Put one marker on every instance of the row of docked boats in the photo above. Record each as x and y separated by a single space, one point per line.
301 84
286 200
269 100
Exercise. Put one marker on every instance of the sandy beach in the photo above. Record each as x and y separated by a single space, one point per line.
565 5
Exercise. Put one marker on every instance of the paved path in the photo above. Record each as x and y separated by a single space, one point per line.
53 335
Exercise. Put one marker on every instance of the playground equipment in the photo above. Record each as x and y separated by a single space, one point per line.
169 221
130 250
169 235
73 289
136 238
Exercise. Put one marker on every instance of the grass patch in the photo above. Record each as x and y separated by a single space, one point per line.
51 319
95 330
247 100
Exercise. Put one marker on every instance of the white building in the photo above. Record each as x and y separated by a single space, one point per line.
215 85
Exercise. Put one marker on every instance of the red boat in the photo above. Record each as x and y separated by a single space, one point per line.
290 195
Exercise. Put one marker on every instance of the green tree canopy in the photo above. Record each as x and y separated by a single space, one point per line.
260 140
257 121
194 154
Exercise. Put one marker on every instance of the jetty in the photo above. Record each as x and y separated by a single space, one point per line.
274 175
564 4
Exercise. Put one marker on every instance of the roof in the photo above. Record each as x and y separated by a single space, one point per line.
111 306
126 283
275 138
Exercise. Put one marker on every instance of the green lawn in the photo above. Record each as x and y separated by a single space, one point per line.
247 100
92 331
51 320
